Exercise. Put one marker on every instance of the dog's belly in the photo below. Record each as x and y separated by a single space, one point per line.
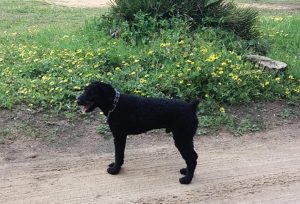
135 129
138 127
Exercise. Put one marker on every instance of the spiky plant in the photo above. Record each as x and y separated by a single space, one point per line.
220 13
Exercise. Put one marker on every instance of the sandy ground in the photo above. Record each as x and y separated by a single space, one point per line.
277 6
105 3
81 3
70 165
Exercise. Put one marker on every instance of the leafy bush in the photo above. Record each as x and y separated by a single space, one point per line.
241 21
143 28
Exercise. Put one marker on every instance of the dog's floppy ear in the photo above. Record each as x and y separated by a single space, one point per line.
108 91
103 90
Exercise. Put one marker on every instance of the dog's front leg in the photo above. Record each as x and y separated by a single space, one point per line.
119 142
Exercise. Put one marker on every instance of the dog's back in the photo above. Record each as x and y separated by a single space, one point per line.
139 114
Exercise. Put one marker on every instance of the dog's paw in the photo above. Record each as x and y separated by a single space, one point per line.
111 164
183 171
185 180
113 170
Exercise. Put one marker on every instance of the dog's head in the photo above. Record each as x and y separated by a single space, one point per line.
97 94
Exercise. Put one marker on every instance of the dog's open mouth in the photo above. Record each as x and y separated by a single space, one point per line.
87 108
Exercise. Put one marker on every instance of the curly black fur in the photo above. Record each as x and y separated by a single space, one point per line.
135 115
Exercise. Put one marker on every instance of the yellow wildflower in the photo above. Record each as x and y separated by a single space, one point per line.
287 91
222 109
267 83
297 90
212 58
198 68
223 64
191 62
165 44
181 42
204 50
150 52
142 80
137 91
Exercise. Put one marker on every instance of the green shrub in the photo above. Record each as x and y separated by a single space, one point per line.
200 13
143 28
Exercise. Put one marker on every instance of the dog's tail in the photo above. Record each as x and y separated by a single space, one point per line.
194 104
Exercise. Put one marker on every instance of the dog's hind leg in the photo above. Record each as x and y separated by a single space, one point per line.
183 171
120 143
185 146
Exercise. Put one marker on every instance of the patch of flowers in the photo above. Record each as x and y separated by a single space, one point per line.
172 64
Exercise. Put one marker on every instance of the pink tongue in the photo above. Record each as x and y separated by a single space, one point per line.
84 109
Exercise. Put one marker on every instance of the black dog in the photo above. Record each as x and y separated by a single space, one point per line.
129 114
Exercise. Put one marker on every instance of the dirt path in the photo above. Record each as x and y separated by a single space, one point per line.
255 168
274 6
81 3
105 3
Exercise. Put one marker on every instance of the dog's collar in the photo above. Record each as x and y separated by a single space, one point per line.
116 99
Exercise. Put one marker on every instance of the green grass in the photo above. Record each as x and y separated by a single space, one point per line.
211 124
18 16
37 22
28 21
283 33
49 53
